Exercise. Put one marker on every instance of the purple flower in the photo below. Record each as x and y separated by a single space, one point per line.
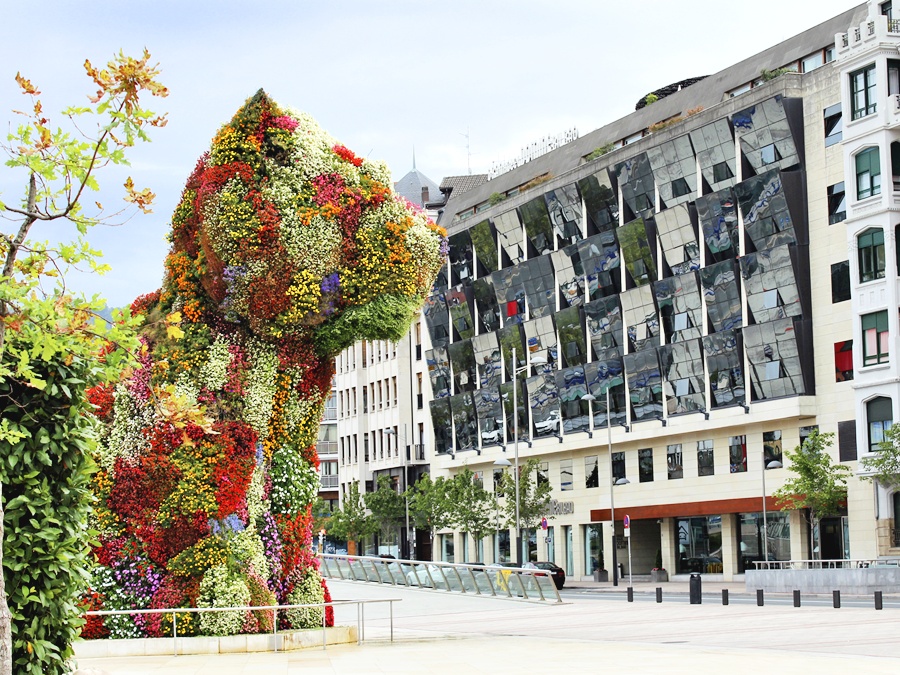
331 283
445 247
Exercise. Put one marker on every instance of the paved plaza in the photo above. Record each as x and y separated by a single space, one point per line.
436 632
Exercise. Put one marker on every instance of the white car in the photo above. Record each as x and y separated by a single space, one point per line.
551 424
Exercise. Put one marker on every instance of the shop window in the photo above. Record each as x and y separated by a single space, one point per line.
705 458
862 91
737 454
870 247
868 173
674 461
837 203
834 125
840 281
645 465
879 415
699 545
875 338
843 361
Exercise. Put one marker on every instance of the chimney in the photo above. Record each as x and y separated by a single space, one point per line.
424 195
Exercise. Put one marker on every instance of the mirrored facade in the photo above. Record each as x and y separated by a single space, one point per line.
717 213
543 399
764 209
462 360
723 296
678 239
772 291
680 308
600 201
716 153
725 366
465 425
484 242
510 237
641 319
644 385
765 135
635 177
774 356
564 208
685 384
537 225
637 252
674 170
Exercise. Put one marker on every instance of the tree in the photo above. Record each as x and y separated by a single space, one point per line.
388 509
884 465
321 516
351 521
473 506
430 507
534 496
819 485
52 349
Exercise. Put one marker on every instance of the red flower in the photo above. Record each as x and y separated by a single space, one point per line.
347 155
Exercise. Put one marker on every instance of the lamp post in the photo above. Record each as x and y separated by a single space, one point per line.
774 464
391 432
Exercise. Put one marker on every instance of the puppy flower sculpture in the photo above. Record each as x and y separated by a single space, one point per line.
286 248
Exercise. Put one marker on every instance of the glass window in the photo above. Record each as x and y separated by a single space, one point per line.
879 415
498 482
565 475
772 457
593 548
834 125
840 281
674 461
543 473
618 467
837 203
737 454
699 545
862 91
870 245
875 338
447 548
812 62
751 534
722 172
501 546
843 361
868 173
645 465
705 458
591 468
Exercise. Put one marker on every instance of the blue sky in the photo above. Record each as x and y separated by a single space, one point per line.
383 77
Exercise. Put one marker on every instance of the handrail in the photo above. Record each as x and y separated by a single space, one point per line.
825 564
174 611
531 584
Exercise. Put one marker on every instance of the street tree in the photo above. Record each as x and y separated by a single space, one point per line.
351 521
387 507
430 507
534 496
884 465
53 349
818 485
473 506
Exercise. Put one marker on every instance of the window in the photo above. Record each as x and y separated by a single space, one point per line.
645 465
868 173
737 454
722 171
843 361
840 281
498 482
618 468
837 203
543 473
879 414
674 461
705 459
870 246
769 154
591 467
875 338
772 458
886 9
812 62
680 187
834 125
565 475
862 91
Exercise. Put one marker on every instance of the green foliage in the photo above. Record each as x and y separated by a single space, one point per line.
599 152
650 99
496 198
294 481
534 496
222 588
387 507
767 75
472 505
819 484
387 317
351 522
308 591
430 507
884 465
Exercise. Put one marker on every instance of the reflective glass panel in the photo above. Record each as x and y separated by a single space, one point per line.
465 425
438 371
678 239
641 320
714 146
540 339
571 385
773 353
442 421
564 207
602 375
572 345
489 410
674 170
600 260
537 225
486 304
460 301
487 358
723 295
644 385
604 324
764 208
543 398
635 177
600 201
437 318
717 213
724 363
484 241
765 135
682 367
772 291
461 257
637 252
681 311
462 358
510 237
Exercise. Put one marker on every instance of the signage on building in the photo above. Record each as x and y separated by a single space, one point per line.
533 151
558 508
627 523
543 523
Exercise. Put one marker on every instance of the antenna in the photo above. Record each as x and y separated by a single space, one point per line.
468 151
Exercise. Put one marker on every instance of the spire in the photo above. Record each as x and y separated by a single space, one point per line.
414 158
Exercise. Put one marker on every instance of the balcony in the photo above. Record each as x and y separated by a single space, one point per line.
420 452
328 482
326 448
329 415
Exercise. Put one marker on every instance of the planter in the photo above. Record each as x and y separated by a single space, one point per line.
657 576
601 575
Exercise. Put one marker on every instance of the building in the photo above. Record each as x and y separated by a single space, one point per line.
688 264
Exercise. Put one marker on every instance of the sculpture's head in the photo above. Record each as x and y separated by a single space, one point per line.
287 232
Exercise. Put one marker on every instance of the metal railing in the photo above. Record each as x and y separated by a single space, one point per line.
824 564
485 580
895 538
175 611
328 481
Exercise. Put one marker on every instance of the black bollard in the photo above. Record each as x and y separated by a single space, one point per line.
878 602
630 594
724 596
796 598
696 590
658 594
836 596
759 597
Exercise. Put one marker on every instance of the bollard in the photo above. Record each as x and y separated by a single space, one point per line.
796 598
878 602
630 594
836 596
696 590
724 596
659 594
760 601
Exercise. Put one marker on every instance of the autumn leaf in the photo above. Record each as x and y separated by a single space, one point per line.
142 199
26 86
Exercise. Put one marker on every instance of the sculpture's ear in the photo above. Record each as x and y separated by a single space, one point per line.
387 317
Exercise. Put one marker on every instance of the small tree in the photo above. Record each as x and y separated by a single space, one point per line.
388 509
473 506
820 485
430 507
534 496
351 521
884 466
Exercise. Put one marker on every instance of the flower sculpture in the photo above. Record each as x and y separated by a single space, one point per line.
286 248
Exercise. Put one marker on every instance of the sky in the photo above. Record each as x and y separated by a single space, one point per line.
460 84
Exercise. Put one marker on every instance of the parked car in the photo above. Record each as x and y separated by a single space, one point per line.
557 572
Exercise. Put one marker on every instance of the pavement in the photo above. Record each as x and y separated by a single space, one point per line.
438 632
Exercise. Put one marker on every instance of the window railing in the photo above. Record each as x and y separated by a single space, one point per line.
329 414
895 538
420 452
893 26
326 448
329 482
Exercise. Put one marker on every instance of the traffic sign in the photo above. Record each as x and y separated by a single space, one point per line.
627 522
543 523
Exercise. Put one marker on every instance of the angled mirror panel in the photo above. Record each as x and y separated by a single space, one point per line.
605 374
680 307
437 318
764 208
506 395
716 154
540 338
537 225
674 170
572 344
564 207
605 327
462 360
772 291
637 251
438 363
543 399
509 286
765 136
489 411
644 385
569 275
600 201
510 237
540 286
682 367
465 424
511 338
442 421
571 385
486 304
641 320
601 262
717 213
723 296
678 239
635 178
488 359
725 365
484 241
773 353
462 260
460 301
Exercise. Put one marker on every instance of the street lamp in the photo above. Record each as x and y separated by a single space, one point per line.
391 432
774 464
537 360
590 398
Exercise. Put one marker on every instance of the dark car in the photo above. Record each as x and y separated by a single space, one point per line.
557 572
